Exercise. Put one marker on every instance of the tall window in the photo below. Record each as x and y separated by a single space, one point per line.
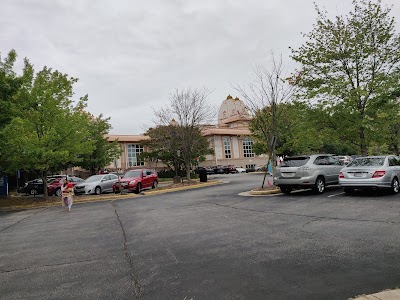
133 155
227 147
248 147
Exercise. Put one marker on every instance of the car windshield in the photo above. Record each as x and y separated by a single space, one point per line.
295 161
94 178
132 174
367 162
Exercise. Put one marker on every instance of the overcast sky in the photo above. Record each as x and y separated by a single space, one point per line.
130 55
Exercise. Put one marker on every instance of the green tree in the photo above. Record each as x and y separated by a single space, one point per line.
348 63
166 145
49 131
10 83
104 151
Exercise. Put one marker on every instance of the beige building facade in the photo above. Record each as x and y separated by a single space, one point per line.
230 138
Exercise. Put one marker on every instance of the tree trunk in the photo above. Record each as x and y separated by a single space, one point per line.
187 170
363 146
44 179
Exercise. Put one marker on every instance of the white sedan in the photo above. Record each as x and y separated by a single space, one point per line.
241 170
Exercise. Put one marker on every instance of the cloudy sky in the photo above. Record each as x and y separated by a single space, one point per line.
130 55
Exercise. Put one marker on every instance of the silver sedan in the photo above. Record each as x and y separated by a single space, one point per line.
371 172
96 184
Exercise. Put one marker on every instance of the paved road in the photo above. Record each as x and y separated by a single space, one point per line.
207 243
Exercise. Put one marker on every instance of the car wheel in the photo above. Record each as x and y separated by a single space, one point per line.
58 192
348 191
97 190
285 189
33 192
155 184
395 186
138 188
319 186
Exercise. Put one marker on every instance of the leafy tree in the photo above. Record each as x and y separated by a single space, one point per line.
349 64
9 86
48 131
190 111
166 145
104 152
388 125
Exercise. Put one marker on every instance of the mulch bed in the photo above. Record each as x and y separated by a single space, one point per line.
7 202
29 201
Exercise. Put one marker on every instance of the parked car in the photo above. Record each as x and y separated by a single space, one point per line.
307 171
136 181
32 187
96 184
371 172
207 169
54 188
250 169
241 170
262 168
229 169
345 160
35 186
218 170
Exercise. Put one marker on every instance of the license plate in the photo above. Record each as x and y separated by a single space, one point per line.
288 174
358 175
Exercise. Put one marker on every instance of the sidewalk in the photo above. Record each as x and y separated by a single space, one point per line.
385 295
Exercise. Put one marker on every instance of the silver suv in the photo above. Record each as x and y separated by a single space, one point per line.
307 171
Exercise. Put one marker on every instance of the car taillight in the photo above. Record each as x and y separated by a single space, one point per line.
378 174
341 175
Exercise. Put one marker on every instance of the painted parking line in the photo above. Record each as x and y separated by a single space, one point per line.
336 194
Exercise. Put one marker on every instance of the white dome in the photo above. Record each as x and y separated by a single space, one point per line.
232 110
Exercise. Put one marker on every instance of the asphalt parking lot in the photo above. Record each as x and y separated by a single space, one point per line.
208 243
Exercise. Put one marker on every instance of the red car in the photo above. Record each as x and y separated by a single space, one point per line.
54 187
136 181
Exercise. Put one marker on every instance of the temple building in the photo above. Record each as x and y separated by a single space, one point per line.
230 139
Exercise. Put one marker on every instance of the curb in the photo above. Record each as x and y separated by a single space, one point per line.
211 183
384 295
113 197
268 192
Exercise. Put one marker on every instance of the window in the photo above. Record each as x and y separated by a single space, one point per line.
321 161
333 160
250 166
296 161
133 155
393 161
227 147
248 147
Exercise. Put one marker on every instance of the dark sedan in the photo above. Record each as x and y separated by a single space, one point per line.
34 187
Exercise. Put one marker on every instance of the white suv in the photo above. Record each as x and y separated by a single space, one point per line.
307 171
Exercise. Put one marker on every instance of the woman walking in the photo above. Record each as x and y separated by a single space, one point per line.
67 193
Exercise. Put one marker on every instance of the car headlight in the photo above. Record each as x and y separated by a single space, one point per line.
132 182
